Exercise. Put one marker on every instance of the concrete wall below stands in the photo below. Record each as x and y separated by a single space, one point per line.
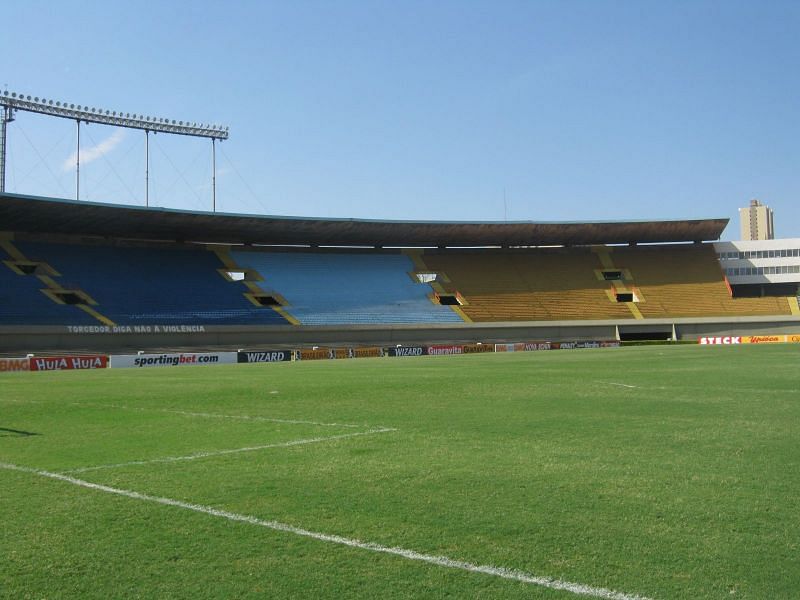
21 340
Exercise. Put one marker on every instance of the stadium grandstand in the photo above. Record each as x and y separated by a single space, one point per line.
83 275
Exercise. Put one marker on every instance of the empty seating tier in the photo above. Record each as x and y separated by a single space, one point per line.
23 303
81 284
541 285
323 288
687 281
563 284
147 285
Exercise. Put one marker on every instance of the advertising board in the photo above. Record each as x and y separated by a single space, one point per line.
771 338
764 339
563 345
478 348
407 351
587 344
508 347
536 346
720 340
264 356
445 350
171 360
8 365
68 363
318 354
523 347
367 352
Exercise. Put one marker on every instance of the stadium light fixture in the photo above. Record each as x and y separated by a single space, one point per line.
65 110
11 102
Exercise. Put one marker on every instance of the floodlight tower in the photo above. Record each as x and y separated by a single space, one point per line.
12 102
8 116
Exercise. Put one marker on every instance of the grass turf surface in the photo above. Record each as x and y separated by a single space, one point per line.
668 472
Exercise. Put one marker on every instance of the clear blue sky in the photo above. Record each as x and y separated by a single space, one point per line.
570 110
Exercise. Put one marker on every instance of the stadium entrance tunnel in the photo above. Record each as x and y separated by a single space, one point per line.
446 299
632 333
626 295
70 297
764 290
25 268
29 267
268 300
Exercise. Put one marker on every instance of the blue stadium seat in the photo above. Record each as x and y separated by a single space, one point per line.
22 302
344 289
143 286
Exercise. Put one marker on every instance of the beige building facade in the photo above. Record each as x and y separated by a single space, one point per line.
756 222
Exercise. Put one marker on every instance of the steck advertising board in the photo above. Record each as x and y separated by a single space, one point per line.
729 340
726 340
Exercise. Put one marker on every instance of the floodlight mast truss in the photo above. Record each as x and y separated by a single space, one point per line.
105 117
11 101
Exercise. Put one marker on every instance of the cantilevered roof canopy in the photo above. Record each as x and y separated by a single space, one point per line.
33 214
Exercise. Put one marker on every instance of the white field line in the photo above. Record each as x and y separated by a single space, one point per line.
18 401
187 413
625 385
195 456
192 414
440 561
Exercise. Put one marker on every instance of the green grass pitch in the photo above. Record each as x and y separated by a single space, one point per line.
657 472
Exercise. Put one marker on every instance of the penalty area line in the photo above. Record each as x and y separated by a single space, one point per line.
440 561
196 455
